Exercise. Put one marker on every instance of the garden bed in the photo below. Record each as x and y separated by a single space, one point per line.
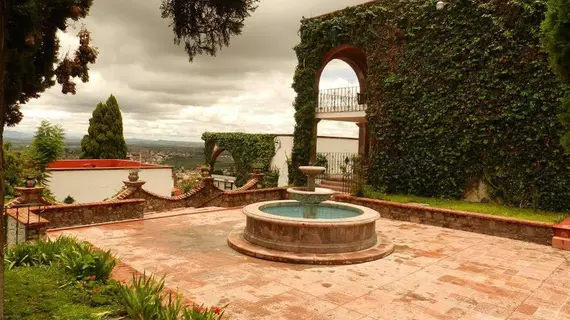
476 207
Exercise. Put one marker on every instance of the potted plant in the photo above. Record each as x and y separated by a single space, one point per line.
134 175
205 169
31 176
257 167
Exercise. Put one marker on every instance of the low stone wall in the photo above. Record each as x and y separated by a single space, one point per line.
531 231
241 198
90 213
207 195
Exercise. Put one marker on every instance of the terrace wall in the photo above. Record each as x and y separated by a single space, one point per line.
531 231
245 197
60 216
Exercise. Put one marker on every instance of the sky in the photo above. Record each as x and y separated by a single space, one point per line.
245 88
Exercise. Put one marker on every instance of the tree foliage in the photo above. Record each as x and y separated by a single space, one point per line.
454 96
105 134
48 144
32 58
206 26
246 149
556 41
13 169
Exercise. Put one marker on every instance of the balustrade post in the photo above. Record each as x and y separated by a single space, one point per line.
314 132
363 140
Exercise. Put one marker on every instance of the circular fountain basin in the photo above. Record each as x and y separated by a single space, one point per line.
339 233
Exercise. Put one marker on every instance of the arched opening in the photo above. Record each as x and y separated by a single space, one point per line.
341 102
351 56
223 169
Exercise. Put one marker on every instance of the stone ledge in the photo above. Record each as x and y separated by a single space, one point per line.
525 230
416 207
90 204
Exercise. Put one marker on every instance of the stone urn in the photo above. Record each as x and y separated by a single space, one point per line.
257 168
30 182
134 175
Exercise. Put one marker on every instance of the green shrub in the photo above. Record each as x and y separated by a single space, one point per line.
69 199
41 252
142 298
145 299
271 178
202 313
83 262
75 257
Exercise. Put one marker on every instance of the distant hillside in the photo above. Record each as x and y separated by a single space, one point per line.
23 138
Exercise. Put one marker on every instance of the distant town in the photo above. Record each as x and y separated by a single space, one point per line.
180 155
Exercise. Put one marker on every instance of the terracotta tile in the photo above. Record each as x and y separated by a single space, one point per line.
434 273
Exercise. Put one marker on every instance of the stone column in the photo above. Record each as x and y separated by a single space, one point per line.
363 140
314 133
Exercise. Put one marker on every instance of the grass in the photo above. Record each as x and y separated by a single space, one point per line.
38 293
486 208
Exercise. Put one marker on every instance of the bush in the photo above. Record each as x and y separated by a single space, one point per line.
145 299
271 178
69 200
142 298
75 257
41 252
82 262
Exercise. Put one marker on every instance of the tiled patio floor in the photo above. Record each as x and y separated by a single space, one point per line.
434 273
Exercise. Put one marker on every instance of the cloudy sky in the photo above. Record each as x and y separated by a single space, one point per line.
245 88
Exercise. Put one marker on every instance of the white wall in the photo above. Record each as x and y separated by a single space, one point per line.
284 145
99 184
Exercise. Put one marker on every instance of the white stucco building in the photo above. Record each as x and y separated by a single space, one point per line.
99 179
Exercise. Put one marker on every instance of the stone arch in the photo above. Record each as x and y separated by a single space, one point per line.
353 56
216 153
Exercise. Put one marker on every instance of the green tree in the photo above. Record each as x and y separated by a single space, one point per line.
105 134
556 41
13 168
29 64
206 26
48 144
29 50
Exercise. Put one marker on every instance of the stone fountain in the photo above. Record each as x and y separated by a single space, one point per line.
309 229
309 196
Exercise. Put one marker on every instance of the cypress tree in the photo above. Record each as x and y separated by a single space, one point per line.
105 135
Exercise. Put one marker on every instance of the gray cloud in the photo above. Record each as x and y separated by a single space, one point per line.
247 87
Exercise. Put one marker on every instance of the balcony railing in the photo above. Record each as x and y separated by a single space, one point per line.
341 100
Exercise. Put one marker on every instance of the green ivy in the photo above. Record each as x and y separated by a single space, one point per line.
465 95
247 150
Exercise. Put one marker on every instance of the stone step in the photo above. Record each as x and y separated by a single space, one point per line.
332 187
332 182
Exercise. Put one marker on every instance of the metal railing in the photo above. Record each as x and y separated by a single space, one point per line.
224 182
341 100
344 170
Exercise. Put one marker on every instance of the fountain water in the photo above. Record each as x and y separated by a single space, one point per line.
310 229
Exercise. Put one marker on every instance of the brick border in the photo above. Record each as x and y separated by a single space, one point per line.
525 230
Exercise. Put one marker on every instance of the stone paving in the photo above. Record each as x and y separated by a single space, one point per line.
434 273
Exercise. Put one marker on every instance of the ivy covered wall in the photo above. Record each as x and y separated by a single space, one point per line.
455 96
247 150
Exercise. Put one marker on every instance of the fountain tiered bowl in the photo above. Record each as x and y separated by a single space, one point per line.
310 229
